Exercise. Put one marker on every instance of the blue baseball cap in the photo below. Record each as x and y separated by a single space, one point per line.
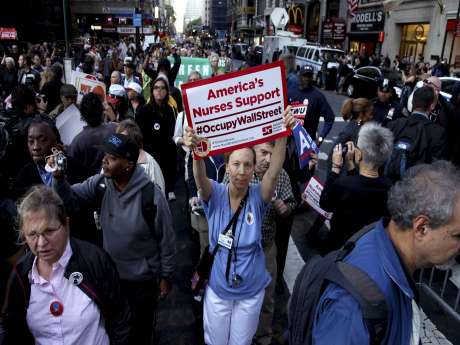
306 69
122 146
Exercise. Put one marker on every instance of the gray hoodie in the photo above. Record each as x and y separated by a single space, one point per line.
138 252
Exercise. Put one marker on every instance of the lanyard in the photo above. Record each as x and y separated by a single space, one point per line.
232 224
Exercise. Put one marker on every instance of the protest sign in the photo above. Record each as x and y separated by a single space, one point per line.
312 194
189 65
237 109
304 145
69 124
86 83
299 110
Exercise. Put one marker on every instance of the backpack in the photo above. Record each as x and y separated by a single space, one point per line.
312 282
149 209
410 147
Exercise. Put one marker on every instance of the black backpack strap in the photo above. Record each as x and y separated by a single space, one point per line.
366 292
149 209
351 242
99 193
363 289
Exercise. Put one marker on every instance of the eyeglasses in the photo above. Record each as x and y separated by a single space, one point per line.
161 88
47 233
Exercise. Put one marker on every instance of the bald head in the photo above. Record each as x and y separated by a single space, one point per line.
115 78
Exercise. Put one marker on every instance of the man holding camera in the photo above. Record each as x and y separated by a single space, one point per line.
42 138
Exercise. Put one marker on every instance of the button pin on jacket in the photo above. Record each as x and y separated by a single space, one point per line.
76 278
56 308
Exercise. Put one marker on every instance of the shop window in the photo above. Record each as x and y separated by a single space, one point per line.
413 40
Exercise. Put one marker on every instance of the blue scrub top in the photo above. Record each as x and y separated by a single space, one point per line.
250 260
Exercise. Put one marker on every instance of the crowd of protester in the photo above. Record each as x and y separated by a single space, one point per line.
87 232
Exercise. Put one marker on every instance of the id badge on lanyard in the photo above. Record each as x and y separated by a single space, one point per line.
226 241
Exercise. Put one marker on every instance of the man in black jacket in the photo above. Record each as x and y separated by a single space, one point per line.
434 137
42 137
27 75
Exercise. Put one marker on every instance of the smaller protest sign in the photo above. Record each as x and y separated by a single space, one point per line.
69 124
305 145
188 65
86 83
312 194
299 110
237 109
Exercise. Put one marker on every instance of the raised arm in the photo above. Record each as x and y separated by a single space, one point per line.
203 183
276 163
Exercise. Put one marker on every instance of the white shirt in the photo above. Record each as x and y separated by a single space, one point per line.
152 169
80 322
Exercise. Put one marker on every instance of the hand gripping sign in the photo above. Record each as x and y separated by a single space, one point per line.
237 109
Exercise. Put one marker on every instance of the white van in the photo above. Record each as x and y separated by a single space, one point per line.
313 55
285 41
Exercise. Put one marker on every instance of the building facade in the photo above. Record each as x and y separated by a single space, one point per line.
116 17
422 28
218 17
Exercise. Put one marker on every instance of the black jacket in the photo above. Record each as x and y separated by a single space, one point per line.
100 283
29 176
436 136
82 224
385 112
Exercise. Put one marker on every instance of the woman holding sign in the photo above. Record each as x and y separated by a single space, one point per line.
238 278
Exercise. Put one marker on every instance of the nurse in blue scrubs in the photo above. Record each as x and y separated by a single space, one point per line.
235 293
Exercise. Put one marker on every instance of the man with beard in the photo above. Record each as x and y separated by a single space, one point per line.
137 227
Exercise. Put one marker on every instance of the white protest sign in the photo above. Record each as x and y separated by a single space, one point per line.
312 194
86 83
69 124
237 109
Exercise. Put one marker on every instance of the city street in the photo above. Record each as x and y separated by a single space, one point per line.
101 102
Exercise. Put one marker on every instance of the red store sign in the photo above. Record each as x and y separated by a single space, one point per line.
334 29
8 34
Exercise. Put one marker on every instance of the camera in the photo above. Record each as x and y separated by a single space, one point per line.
60 161
344 150
29 79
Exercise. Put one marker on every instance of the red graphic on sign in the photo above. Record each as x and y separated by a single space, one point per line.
267 130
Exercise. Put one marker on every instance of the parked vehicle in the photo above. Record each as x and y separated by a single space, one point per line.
285 41
447 83
363 82
315 56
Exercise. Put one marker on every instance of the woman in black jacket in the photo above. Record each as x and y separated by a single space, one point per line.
63 288
157 120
